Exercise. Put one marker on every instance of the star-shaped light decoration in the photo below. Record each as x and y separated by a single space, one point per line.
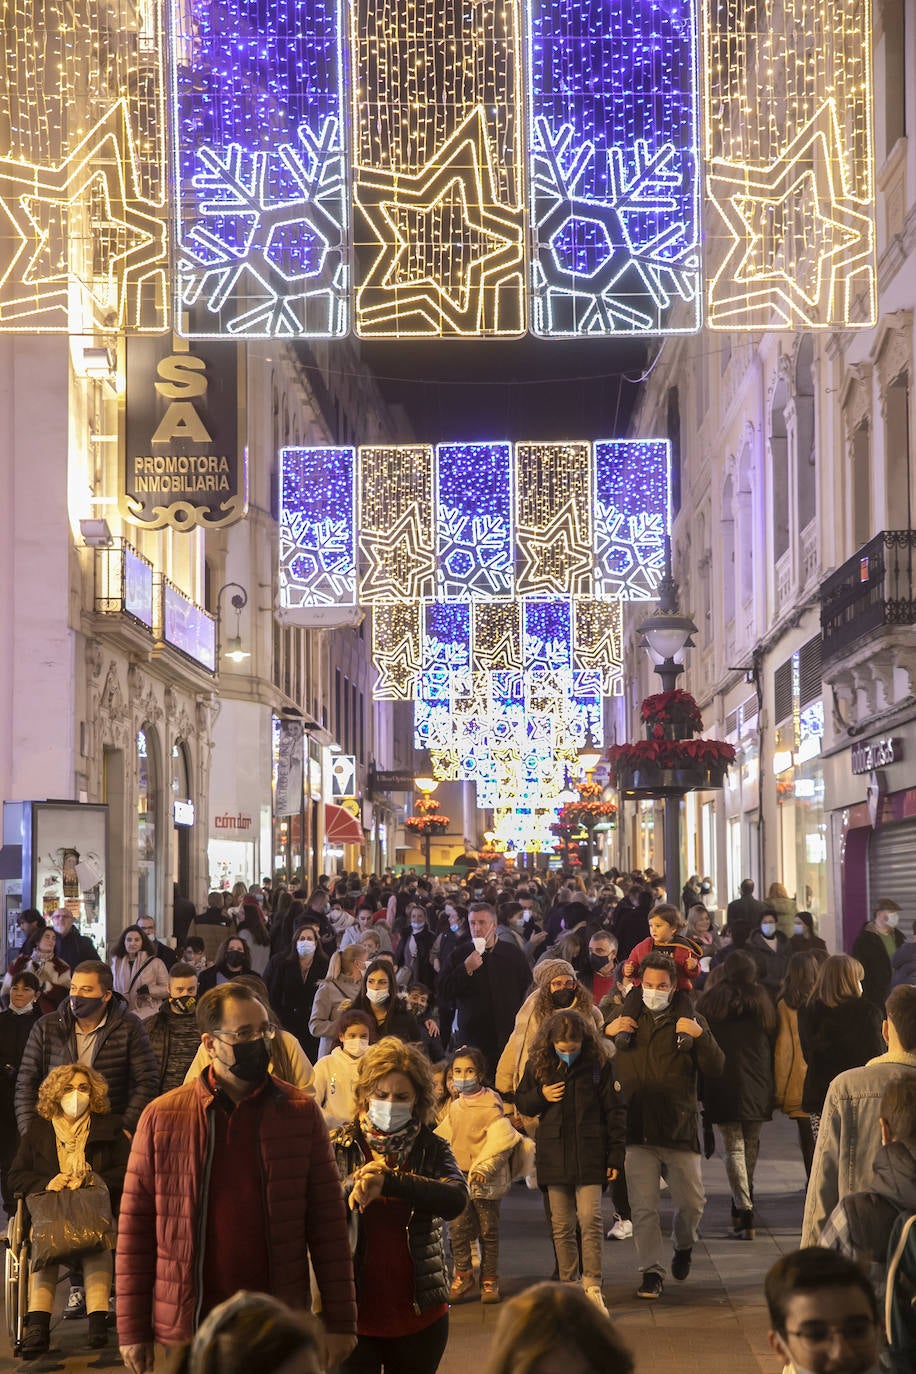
557 558
801 245
450 254
82 222
400 562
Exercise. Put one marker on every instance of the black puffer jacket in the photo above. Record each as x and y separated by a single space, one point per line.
124 1057
584 1134
834 1039
659 1082
435 1189
745 1090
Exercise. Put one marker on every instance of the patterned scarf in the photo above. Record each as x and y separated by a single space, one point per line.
393 1146
71 1137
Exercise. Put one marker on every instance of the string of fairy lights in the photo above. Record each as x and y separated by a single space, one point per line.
423 170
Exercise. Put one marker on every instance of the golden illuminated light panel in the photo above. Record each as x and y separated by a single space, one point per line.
396 650
553 519
437 149
789 163
395 523
83 240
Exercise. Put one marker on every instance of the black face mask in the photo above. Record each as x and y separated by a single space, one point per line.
235 959
598 961
564 998
85 1008
183 1006
252 1058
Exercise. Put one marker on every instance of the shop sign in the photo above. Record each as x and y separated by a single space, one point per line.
233 821
876 753
182 461
343 776
183 813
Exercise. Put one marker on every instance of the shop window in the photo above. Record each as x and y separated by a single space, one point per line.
147 821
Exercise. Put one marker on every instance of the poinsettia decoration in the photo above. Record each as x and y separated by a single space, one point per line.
428 820
670 754
672 708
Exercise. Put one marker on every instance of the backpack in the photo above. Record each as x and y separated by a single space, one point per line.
900 1296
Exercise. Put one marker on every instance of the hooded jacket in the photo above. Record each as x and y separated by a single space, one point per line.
123 1056
514 1057
583 1135
166 1195
659 1082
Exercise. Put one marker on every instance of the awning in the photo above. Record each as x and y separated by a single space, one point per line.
340 827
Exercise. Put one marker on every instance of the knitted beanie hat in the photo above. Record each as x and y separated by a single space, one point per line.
548 969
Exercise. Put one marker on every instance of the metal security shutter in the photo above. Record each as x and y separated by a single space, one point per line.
892 869
809 671
782 692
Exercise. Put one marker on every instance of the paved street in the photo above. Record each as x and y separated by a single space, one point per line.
715 1321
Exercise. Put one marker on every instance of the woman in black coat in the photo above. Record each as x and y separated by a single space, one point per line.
742 1018
838 1029
379 998
569 1085
771 952
292 981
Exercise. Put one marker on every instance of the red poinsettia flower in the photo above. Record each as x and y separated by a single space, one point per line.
672 708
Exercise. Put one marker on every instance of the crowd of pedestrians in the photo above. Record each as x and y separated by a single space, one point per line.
325 1095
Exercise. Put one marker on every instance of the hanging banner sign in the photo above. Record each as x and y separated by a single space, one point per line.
183 464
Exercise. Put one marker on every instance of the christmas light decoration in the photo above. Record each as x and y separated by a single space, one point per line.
317 530
789 164
396 650
613 166
83 222
553 519
474 548
395 518
631 517
261 189
437 168
598 638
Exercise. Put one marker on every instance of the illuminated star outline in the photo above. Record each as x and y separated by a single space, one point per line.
420 307
536 546
775 300
400 561
40 303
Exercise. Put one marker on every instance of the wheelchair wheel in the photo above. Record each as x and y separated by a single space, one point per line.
16 1278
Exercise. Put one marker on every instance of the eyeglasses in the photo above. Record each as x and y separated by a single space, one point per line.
854 1330
247 1034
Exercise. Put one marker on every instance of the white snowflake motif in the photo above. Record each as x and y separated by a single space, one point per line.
630 554
475 554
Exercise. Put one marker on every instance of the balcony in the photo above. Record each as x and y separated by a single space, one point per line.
124 583
871 590
184 625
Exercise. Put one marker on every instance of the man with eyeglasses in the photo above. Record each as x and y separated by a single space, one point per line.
231 1184
823 1314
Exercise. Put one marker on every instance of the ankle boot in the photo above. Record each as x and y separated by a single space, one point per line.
98 1330
747 1230
37 1337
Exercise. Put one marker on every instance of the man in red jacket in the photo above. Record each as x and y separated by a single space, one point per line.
231 1184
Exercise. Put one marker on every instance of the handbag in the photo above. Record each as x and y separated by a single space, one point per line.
69 1223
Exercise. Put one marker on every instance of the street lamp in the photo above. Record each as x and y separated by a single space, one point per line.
667 635
239 600
427 786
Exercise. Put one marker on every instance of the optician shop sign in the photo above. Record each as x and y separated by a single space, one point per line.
182 462
876 753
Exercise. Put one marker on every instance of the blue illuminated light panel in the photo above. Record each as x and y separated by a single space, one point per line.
548 637
446 669
631 517
317 527
474 546
613 173
261 187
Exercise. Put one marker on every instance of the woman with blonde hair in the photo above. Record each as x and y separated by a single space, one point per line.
838 1029
400 1181
789 1067
554 1324
72 1143
784 907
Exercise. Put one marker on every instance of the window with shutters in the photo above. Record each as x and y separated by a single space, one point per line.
809 671
782 692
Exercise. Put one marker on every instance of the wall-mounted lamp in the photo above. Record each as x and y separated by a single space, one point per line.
96 533
98 363
238 601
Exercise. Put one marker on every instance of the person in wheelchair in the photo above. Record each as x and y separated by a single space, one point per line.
74 1136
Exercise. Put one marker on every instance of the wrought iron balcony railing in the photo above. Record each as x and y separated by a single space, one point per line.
872 589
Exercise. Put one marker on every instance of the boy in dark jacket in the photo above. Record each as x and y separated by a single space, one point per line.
659 1085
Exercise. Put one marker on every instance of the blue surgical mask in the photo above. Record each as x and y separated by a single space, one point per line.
465 1085
569 1057
417 926
768 928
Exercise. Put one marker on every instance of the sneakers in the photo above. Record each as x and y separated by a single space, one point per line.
489 1291
595 1295
651 1286
76 1304
680 1264
621 1230
462 1283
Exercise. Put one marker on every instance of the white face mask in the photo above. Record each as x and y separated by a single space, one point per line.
305 948
480 943
74 1103
892 918
656 999
356 1046
389 1116
22 1011
378 996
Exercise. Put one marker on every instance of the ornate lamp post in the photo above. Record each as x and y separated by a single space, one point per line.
426 822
